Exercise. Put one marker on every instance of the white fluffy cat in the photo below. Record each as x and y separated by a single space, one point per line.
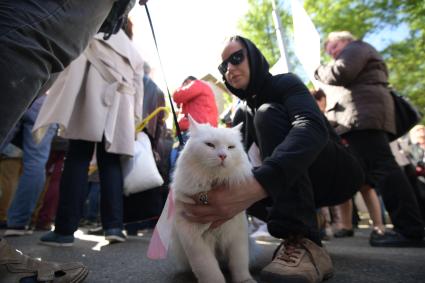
211 156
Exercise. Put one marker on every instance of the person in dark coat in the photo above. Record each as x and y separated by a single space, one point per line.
361 109
290 132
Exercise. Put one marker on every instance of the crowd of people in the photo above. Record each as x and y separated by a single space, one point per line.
312 150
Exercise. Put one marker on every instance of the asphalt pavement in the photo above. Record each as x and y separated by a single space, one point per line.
354 260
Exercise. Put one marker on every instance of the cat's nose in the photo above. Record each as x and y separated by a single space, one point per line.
222 156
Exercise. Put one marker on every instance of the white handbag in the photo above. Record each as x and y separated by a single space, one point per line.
140 171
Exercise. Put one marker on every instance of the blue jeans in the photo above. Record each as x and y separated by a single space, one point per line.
31 182
39 38
74 183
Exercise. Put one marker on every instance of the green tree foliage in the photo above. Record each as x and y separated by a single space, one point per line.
257 25
405 58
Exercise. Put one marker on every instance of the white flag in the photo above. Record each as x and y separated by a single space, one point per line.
306 40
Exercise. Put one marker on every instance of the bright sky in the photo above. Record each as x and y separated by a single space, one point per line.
190 34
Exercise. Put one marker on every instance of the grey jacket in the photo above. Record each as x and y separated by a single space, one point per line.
356 85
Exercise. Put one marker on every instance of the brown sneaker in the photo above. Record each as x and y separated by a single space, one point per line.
14 266
298 262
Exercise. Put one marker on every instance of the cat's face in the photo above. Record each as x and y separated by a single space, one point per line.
215 148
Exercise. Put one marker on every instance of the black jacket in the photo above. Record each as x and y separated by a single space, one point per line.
308 134
356 86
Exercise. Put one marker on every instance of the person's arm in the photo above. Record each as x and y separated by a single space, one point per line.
346 67
188 92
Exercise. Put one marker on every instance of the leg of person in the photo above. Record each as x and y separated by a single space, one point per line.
31 182
17 267
94 195
111 195
325 226
374 207
51 198
403 208
345 214
72 194
38 38
382 172
336 217
418 186
336 176
10 170
292 216
271 127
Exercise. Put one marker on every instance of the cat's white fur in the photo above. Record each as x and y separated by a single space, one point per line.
199 166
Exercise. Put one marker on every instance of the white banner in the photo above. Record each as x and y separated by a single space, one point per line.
306 40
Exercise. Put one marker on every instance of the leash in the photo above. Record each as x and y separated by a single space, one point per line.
179 134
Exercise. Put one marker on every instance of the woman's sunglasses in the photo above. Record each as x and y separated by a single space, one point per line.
235 59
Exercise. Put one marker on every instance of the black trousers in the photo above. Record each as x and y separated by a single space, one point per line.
372 149
333 177
74 183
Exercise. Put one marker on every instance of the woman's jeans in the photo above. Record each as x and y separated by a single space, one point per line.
74 183
38 38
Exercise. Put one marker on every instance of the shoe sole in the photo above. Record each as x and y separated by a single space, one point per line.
12 233
54 244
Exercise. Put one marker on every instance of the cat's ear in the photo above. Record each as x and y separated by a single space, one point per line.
238 127
193 125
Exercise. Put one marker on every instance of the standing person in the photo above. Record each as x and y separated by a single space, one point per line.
152 99
290 132
33 177
97 101
362 110
196 98
37 39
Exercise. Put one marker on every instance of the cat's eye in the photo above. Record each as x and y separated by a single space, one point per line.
231 147
210 144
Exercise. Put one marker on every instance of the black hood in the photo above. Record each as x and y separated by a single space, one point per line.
259 71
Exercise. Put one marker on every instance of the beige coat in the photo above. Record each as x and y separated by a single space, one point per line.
99 94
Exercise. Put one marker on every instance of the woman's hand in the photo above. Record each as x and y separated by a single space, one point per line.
224 202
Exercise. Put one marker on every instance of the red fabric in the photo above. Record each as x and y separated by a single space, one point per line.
196 99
